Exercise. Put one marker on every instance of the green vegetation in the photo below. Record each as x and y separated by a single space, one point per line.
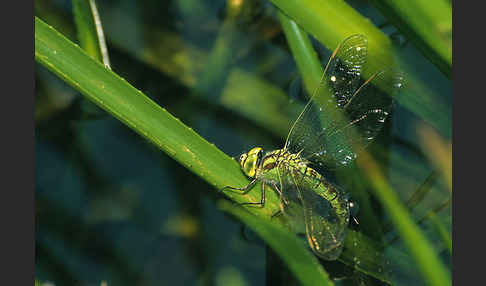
222 76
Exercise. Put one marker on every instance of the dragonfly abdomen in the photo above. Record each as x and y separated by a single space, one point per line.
327 190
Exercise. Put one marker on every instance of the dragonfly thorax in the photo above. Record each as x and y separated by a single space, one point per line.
255 163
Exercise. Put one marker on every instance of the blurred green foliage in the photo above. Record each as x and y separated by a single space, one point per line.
110 207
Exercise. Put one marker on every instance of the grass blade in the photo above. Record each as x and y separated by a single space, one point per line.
304 54
439 152
138 112
427 24
292 250
332 21
432 269
90 32
133 108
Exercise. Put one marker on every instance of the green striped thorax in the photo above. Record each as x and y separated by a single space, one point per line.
255 164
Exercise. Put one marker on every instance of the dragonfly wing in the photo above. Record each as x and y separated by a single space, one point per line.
342 75
325 222
365 114
290 201
344 110
340 80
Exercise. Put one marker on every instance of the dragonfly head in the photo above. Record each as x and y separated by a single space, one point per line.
251 161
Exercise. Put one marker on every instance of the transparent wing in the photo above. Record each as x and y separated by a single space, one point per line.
322 132
362 118
325 220
290 201
339 81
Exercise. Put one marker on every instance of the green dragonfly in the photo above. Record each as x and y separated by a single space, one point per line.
344 111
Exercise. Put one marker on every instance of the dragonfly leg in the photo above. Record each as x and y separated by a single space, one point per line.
275 187
245 189
262 201
277 213
263 193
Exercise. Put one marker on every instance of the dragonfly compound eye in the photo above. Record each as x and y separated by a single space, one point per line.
250 163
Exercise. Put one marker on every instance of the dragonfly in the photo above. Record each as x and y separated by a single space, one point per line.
344 111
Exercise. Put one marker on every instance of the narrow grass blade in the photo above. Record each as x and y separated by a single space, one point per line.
442 232
304 54
137 111
427 24
90 31
432 269
332 21
439 152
